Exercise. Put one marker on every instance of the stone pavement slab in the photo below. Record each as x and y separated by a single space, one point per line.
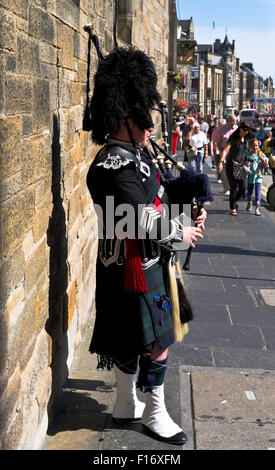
233 409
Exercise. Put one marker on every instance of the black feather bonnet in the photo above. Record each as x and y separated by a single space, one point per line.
125 79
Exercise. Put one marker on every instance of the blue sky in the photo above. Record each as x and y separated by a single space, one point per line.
250 22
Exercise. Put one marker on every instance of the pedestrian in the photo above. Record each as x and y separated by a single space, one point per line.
266 144
198 149
267 149
181 123
272 148
236 155
203 124
258 161
260 135
186 135
176 137
138 282
213 149
221 139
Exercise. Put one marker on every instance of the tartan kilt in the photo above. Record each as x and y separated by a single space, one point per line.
127 322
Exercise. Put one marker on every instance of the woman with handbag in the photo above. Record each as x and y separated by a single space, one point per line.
258 162
236 153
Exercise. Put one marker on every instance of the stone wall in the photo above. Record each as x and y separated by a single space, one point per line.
48 232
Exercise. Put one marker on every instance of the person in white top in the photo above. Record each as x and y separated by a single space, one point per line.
198 146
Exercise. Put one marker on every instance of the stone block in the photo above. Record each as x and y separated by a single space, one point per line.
41 25
18 94
22 25
48 71
41 104
26 125
41 3
82 71
9 398
20 7
10 145
16 219
30 426
34 373
69 128
35 161
74 155
2 84
76 93
65 41
9 186
69 306
4 373
13 435
68 12
41 217
27 55
35 265
74 210
47 53
76 177
42 187
11 275
44 394
7 31
28 244
11 62
41 304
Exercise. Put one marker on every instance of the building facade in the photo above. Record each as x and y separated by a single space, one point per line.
215 82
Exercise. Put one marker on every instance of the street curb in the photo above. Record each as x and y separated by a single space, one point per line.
186 407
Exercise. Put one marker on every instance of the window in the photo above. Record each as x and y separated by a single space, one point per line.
195 73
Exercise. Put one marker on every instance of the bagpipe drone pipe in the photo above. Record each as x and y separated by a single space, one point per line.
187 187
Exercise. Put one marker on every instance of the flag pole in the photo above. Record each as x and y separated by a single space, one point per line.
213 28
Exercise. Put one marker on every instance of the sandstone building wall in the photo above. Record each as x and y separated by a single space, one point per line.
48 231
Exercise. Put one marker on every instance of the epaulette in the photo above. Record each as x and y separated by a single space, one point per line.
115 157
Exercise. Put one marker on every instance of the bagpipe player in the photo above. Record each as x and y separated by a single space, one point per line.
141 306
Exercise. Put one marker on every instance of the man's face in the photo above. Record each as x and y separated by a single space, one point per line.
140 136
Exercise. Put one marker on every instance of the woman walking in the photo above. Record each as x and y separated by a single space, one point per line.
236 153
258 162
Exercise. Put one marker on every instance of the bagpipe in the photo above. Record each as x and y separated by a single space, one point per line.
195 186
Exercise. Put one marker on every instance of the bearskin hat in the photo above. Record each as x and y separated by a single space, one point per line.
126 80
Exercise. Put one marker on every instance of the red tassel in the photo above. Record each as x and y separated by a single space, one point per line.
134 277
157 202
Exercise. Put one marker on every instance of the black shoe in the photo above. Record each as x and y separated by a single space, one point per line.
123 421
178 439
